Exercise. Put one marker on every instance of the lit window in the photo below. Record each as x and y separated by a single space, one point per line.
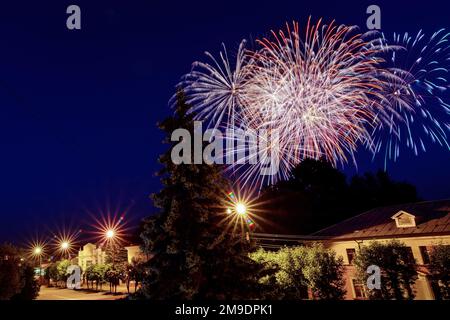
358 287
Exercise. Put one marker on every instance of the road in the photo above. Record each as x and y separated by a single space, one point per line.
67 294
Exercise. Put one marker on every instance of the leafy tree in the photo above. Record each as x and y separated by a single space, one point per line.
324 273
115 253
440 269
397 265
29 286
135 272
378 190
17 279
10 282
90 275
51 272
113 274
298 269
96 273
194 256
285 276
62 267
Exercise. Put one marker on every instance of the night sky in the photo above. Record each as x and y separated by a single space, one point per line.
79 108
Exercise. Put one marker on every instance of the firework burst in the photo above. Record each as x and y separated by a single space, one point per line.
214 89
323 92
420 114
316 91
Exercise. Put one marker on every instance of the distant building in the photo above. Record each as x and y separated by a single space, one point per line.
134 252
420 226
90 254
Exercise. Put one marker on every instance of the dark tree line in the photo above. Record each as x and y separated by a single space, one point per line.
318 195
17 281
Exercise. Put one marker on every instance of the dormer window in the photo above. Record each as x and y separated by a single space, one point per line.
404 219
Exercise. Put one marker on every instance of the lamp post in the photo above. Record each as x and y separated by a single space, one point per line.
240 209
110 235
65 246
38 252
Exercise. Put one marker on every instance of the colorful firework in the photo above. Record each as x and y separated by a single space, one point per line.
420 114
214 89
323 92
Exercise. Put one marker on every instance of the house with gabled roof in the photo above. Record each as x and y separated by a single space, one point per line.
420 226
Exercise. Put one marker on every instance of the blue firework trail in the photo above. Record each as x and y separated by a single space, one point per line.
416 95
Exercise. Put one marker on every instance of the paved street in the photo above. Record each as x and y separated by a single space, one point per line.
67 294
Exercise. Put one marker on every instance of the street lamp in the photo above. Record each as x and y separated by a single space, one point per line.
65 245
110 234
241 209
38 252
65 248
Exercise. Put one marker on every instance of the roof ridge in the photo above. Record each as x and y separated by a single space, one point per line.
377 208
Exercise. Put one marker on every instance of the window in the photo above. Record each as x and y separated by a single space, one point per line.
425 255
358 288
351 253
409 255
404 219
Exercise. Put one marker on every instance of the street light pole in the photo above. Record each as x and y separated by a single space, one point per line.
40 267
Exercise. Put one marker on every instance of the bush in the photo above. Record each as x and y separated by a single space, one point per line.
292 271
440 269
17 279
398 269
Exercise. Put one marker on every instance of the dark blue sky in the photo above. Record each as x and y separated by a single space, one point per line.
79 108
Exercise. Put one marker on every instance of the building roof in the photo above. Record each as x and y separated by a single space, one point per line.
431 218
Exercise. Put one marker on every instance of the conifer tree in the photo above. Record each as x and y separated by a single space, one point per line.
193 256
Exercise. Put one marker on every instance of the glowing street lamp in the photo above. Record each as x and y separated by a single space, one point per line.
38 252
110 234
65 248
241 209
65 245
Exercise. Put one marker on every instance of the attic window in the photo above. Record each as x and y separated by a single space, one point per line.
404 219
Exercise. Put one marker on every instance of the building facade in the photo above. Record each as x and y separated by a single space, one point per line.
134 253
89 255
420 226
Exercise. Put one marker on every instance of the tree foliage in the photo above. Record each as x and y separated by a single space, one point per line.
51 272
62 268
318 195
17 279
398 269
440 269
297 269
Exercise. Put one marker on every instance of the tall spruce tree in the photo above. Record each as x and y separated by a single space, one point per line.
193 257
